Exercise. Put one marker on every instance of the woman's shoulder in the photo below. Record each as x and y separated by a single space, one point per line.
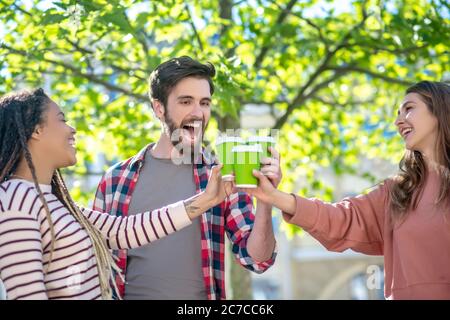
378 193
383 185
20 196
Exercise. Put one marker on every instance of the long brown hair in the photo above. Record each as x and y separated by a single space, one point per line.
408 184
20 113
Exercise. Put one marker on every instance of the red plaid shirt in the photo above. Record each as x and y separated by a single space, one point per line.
234 216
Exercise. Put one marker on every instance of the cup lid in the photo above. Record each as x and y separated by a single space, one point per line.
247 148
224 139
261 139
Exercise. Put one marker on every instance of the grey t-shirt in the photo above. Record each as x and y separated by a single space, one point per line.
171 267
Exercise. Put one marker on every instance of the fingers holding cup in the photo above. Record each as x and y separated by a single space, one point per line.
271 167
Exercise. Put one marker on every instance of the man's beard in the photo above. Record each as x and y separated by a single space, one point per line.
175 134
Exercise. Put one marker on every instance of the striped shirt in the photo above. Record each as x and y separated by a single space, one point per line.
25 242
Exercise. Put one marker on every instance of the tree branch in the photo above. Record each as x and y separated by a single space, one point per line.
317 28
344 42
139 35
89 76
226 7
370 73
127 71
265 49
254 101
194 28
239 2
394 50
77 46
334 103
17 7
301 97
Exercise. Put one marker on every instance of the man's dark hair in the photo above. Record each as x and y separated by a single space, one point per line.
168 74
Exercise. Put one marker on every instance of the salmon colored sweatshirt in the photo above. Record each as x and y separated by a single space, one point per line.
416 252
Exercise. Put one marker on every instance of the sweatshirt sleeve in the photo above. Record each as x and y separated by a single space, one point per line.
355 223
140 229
21 266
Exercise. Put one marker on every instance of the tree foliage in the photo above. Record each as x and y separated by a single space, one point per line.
332 72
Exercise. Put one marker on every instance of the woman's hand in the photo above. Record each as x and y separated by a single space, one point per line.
265 191
271 167
215 193
217 190
269 178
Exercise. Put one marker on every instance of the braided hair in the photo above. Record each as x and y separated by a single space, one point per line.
20 113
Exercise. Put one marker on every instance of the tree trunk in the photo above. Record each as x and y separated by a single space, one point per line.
239 282
238 279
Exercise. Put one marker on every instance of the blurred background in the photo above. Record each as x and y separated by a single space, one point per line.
327 75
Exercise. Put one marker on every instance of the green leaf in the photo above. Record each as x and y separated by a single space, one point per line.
117 18
52 18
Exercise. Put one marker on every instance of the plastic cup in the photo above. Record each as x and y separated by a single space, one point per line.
265 142
246 159
224 146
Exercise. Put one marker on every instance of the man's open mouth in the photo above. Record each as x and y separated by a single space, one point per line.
192 127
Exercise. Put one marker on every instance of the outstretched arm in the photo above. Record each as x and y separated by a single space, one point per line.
143 228
354 223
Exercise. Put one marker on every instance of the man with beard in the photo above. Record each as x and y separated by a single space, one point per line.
188 264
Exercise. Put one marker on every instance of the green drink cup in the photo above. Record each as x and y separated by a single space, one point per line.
224 146
246 159
265 142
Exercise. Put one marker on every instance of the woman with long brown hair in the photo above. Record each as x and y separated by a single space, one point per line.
49 247
405 218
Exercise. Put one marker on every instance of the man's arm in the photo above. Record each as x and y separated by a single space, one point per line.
261 242
240 227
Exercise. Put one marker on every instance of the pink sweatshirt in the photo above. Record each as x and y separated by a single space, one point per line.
416 252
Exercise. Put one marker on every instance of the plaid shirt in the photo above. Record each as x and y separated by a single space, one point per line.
235 216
